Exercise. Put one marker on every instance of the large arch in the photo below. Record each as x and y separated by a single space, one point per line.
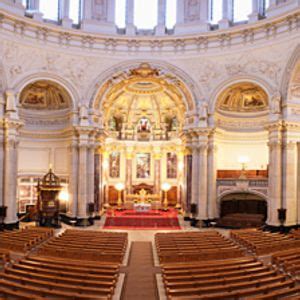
68 86
289 74
189 84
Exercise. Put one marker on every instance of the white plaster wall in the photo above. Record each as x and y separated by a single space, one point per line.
36 155
229 150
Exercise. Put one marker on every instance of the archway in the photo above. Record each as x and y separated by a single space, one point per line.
44 109
143 116
242 209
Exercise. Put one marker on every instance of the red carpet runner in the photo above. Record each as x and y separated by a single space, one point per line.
130 219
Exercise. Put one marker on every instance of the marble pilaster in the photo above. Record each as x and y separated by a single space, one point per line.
202 204
212 178
275 171
130 28
73 181
195 174
66 21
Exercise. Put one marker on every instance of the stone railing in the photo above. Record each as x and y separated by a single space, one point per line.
217 40
256 186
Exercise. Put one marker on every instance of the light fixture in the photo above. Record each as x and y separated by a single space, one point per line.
243 160
119 187
165 187
63 196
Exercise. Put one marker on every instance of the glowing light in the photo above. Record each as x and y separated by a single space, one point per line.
63 196
243 159
165 186
120 186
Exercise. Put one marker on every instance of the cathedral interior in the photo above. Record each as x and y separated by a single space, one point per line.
150 149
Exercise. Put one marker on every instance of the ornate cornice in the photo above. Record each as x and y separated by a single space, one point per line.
70 38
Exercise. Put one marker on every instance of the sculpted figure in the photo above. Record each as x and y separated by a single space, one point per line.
203 111
276 103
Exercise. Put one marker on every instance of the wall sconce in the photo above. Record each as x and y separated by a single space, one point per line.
165 187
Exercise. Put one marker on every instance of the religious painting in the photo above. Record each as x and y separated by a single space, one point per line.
144 125
171 165
114 165
143 165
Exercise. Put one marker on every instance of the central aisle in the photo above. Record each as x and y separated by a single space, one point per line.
140 282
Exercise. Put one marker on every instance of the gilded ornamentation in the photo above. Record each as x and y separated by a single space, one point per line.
243 97
44 95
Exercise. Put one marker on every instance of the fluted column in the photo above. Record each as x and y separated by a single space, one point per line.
202 206
212 178
227 16
130 28
161 18
73 181
275 171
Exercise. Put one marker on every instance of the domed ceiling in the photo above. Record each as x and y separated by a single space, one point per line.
46 95
243 97
144 94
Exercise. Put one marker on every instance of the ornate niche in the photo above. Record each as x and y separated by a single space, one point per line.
142 104
243 97
44 94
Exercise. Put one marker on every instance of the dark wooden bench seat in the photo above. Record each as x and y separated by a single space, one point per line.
240 294
58 286
44 292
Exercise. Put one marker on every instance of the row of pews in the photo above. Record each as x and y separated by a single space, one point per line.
261 242
192 246
62 274
87 245
25 239
243 277
288 260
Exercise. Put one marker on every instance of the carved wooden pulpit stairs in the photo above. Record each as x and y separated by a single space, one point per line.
48 189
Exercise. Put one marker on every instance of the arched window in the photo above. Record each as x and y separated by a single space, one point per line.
171 11
49 9
120 13
24 2
145 13
75 11
216 8
241 10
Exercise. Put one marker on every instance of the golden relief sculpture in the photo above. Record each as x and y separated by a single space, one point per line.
243 97
44 94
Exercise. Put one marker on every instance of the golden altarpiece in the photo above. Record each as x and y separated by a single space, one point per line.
143 148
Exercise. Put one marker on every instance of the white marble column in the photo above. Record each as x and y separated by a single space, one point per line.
10 170
202 204
227 15
64 14
2 136
83 176
212 178
130 28
275 173
91 173
289 176
256 9
161 18
73 179
128 182
195 175
34 7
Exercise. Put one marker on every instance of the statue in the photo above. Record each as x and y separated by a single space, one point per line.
276 103
203 111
